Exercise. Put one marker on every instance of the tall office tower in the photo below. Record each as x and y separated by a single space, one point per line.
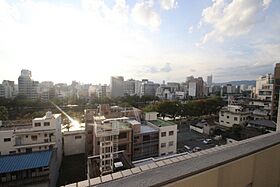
117 86
27 87
209 80
275 93
129 87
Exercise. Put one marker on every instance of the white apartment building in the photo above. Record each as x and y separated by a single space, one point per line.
167 134
22 137
233 115
264 87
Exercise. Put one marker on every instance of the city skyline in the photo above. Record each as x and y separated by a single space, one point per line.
89 41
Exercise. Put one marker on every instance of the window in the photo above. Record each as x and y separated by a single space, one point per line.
7 139
170 143
163 145
46 123
222 121
163 134
46 135
227 116
34 138
78 137
37 124
28 150
235 118
12 152
146 138
26 136
122 147
171 133
122 135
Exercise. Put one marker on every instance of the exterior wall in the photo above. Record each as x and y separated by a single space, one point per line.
167 149
257 170
199 130
192 89
6 146
117 86
74 143
143 148
228 119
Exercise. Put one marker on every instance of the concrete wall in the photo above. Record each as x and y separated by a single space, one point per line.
74 143
166 139
6 147
261 169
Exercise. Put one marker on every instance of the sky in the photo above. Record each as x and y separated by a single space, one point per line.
91 40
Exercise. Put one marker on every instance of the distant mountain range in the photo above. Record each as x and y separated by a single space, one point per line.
246 82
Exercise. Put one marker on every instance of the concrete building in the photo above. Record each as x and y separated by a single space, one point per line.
46 90
74 139
145 141
196 87
233 115
264 87
275 93
167 134
117 86
26 86
30 169
148 88
25 138
8 89
209 80
129 87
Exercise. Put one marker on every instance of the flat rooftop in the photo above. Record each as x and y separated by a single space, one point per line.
147 129
161 123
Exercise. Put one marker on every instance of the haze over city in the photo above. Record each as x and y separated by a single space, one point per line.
89 41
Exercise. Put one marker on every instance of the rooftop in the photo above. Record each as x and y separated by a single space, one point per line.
17 162
147 129
161 123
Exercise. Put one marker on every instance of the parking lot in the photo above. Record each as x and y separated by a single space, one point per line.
191 139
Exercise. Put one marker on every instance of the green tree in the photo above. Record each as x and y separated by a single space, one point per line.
4 115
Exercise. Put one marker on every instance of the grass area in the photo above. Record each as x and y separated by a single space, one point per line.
73 169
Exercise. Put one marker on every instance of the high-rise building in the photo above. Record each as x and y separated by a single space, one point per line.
275 93
209 80
148 88
27 87
129 87
196 87
117 86
264 87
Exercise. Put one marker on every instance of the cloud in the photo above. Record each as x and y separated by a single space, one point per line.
232 18
190 29
144 15
166 68
168 4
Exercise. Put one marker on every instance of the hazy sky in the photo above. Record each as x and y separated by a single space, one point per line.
90 40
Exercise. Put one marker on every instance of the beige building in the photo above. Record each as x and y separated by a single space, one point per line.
167 134
233 115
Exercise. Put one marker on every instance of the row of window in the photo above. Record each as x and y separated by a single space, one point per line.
171 143
39 124
163 134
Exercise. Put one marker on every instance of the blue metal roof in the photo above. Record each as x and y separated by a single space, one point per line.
17 162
